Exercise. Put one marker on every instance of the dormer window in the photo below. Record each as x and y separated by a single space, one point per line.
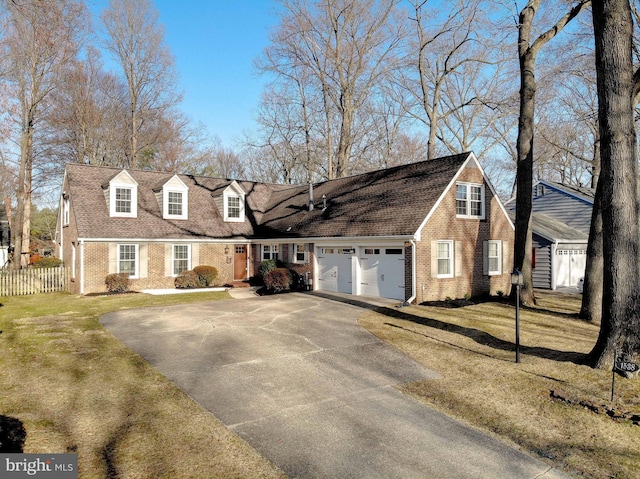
234 203
123 196
175 198
123 200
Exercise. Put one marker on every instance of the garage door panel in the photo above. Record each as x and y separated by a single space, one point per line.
382 272
334 273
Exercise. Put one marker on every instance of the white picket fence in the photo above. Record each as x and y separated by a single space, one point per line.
33 281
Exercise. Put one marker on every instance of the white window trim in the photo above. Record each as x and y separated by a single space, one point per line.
136 261
498 243
451 256
273 249
240 218
185 204
174 259
134 201
66 214
294 253
468 201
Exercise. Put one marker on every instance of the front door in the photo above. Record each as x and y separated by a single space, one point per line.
240 262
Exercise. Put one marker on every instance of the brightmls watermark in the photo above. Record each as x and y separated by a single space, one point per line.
45 466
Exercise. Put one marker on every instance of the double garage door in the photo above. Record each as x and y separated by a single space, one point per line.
376 271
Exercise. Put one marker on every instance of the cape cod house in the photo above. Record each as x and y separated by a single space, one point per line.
417 232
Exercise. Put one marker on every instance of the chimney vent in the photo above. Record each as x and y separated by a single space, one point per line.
310 196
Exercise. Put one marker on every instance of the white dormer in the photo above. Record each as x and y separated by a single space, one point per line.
234 203
175 199
123 196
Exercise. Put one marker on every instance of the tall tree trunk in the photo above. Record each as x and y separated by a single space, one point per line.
21 223
591 308
523 240
620 325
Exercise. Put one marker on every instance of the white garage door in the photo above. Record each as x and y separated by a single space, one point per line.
570 266
334 266
382 272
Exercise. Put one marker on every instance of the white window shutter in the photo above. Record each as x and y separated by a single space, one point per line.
195 255
485 258
506 254
144 260
457 259
168 259
113 258
434 259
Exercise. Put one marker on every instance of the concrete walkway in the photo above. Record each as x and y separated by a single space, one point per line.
298 379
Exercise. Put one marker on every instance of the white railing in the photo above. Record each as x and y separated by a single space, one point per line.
33 281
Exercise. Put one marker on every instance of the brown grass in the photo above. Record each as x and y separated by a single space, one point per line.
473 349
78 389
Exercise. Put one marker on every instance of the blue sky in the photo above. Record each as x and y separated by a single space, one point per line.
214 43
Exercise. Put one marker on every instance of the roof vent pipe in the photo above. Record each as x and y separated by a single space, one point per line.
310 196
324 202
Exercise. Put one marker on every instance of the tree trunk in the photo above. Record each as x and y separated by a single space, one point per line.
591 308
620 325
523 240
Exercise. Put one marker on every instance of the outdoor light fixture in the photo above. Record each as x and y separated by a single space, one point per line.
517 281
226 249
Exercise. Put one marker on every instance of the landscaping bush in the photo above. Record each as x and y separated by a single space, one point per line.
207 275
278 280
47 262
267 265
117 282
187 280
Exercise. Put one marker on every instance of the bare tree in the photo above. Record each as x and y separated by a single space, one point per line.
346 48
527 53
88 114
40 41
135 38
439 58
617 85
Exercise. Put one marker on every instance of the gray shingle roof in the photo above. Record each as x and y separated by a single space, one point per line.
90 206
393 201
387 202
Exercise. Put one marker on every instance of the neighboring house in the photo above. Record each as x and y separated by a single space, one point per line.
5 238
560 233
418 232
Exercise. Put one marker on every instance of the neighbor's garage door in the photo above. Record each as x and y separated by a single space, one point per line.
334 266
570 266
382 272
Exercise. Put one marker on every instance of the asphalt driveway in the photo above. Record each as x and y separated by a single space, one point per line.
298 379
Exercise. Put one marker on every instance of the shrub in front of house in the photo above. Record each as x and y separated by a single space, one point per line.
187 280
278 280
207 275
117 282
265 266
47 262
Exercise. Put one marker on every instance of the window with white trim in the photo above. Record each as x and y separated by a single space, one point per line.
174 203
494 257
300 253
128 259
123 200
269 251
470 200
445 259
181 258
123 196
65 211
233 207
